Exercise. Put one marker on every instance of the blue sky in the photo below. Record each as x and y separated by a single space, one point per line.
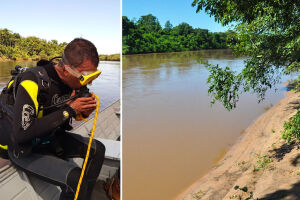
176 11
95 20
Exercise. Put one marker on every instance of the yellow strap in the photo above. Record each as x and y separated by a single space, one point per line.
88 149
32 89
41 113
9 84
3 147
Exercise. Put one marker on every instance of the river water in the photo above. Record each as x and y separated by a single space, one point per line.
171 134
106 86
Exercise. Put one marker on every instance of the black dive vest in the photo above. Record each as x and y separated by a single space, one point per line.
47 89
8 94
7 101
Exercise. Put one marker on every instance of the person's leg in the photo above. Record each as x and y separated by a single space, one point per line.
72 182
75 145
5 130
52 170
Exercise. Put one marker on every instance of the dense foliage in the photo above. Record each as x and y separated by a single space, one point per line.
292 128
147 36
15 47
268 32
112 57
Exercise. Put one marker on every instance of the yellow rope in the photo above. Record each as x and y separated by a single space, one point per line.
88 149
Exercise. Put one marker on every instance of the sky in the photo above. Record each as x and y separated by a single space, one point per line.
176 11
94 20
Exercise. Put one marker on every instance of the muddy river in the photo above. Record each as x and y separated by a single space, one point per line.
171 134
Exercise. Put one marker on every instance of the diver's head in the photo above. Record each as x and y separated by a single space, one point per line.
79 63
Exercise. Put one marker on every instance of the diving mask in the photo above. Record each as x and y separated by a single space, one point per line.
84 77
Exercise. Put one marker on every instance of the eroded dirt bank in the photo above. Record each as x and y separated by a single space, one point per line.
260 162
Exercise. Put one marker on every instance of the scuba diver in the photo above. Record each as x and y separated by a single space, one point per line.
36 109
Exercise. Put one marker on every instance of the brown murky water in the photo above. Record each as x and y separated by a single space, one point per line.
107 86
171 134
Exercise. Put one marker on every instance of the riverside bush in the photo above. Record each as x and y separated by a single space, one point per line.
291 128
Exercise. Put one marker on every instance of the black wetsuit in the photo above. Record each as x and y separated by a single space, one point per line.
39 142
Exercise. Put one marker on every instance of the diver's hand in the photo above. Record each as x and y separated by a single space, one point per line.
83 105
88 112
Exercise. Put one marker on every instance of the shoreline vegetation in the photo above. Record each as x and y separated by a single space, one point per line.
259 160
14 47
110 57
146 35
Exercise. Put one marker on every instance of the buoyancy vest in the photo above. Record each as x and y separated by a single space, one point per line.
8 94
7 100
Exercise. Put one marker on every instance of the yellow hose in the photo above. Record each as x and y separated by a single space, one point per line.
88 149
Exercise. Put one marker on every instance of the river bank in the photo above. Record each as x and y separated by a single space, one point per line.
112 57
260 162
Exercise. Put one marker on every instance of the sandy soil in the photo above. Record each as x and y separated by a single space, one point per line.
278 179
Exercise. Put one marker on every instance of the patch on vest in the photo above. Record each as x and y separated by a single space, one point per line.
27 114
56 99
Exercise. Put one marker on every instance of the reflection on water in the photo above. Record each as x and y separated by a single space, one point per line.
107 86
171 134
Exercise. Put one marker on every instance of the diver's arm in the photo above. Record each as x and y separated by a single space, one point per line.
27 124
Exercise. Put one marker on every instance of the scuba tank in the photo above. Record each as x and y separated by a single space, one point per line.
6 111
7 97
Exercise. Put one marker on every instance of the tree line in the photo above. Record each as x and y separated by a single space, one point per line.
146 35
15 47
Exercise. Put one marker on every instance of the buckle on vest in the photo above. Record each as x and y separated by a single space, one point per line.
45 84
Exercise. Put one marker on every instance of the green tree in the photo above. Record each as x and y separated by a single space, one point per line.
168 26
268 32
126 25
145 36
149 23
13 46
182 29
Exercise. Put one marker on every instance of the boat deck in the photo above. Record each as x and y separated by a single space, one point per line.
15 184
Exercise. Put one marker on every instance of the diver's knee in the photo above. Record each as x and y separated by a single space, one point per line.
73 178
99 148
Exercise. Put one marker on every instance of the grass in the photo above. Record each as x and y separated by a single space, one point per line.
240 163
263 162
273 145
243 165
198 195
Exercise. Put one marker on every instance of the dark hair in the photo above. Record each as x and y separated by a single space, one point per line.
79 50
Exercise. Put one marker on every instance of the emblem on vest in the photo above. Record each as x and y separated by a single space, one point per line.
27 114
58 99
